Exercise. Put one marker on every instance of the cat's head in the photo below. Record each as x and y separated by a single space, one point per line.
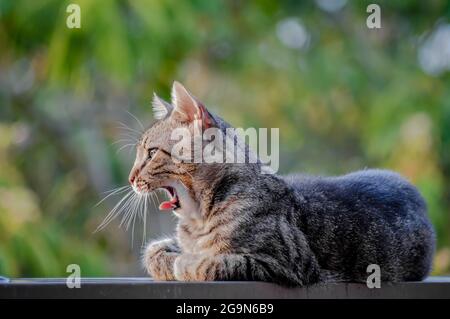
156 166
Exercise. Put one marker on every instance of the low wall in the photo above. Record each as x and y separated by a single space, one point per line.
433 287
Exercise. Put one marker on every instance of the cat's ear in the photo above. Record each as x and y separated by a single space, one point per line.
161 109
188 108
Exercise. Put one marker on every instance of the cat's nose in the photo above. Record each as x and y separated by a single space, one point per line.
132 177
134 174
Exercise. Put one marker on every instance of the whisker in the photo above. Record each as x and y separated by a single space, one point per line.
129 139
117 208
132 228
113 192
153 195
144 218
120 209
124 126
123 140
125 146
114 189
128 210
134 211
130 136
129 131
126 205
137 120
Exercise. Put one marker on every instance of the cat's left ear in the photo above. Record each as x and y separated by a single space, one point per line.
161 109
188 108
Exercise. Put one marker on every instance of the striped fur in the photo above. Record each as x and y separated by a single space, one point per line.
236 223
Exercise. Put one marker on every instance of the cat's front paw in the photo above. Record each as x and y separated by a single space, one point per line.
188 267
180 267
157 246
158 261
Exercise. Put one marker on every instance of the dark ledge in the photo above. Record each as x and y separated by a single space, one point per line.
433 287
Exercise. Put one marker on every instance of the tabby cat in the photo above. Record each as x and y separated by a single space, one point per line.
235 222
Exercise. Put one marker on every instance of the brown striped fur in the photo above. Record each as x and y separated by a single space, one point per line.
236 223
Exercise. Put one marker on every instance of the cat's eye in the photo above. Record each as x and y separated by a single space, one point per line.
152 152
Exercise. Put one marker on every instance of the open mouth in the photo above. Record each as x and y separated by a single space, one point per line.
173 202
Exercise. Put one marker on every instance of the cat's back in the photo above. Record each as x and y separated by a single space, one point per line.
380 191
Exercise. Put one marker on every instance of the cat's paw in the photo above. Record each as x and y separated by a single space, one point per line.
155 247
186 267
158 261
180 267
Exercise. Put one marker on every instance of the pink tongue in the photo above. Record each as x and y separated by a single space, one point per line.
169 205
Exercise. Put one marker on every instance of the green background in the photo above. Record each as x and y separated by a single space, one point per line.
344 96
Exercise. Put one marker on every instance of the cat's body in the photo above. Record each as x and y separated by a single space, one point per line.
366 217
236 223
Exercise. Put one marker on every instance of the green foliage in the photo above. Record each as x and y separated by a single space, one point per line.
349 98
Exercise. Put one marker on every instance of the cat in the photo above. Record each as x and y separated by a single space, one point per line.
236 222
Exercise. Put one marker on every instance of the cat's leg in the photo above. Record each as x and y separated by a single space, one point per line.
159 257
203 267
